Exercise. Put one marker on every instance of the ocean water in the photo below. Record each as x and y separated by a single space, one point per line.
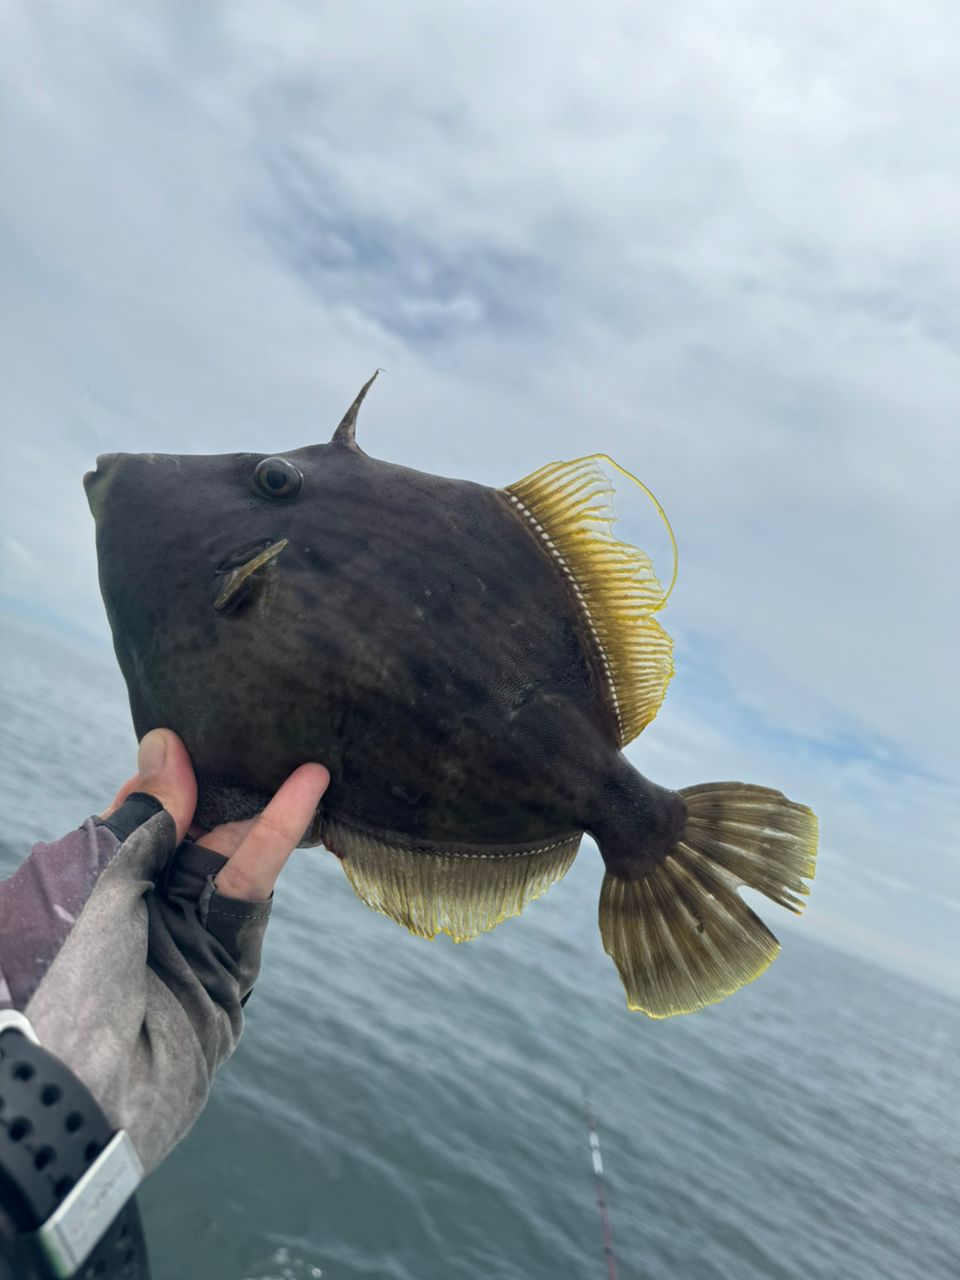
414 1111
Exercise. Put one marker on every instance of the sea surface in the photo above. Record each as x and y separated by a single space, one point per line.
411 1110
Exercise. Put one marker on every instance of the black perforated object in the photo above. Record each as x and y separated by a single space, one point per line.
52 1129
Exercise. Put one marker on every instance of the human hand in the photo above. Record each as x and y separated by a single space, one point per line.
257 849
132 951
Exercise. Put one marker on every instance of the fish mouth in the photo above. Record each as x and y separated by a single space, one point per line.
97 482
239 569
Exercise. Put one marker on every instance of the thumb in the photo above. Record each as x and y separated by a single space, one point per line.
164 771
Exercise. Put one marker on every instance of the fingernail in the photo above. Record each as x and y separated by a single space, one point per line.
152 754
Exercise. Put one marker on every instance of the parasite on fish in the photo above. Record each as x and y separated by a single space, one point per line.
469 663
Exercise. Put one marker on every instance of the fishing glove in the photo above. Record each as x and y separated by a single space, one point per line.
131 967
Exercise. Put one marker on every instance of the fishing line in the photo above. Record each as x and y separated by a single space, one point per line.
605 457
601 1189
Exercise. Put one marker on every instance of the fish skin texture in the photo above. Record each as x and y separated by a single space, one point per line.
466 662
413 636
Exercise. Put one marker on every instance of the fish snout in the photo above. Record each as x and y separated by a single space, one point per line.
93 481
104 463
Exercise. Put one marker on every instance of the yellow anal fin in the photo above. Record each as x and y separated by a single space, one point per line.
681 936
568 505
461 892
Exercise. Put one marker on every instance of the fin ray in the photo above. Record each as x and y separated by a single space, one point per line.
681 936
461 891
568 505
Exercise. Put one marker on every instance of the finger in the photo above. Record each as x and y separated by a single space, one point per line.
165 772
252 871
127 789
225 839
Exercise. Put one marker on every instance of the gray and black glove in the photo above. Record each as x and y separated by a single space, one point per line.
131 951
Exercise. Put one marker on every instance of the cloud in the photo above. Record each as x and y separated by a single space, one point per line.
18 559
723 250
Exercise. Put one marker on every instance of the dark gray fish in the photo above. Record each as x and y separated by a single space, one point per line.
468 662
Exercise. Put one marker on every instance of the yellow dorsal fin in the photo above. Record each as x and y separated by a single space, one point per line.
569 507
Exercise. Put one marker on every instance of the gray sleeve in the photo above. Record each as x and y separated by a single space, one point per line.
142 997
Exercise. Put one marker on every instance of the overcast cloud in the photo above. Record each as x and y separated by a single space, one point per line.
718 242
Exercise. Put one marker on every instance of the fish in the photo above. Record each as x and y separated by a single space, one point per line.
469 663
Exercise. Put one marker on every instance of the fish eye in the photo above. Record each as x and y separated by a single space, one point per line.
277 478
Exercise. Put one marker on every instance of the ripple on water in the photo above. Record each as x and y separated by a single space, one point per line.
414 1110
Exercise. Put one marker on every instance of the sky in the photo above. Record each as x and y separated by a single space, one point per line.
718 242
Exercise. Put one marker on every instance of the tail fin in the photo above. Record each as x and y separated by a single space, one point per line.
680 935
